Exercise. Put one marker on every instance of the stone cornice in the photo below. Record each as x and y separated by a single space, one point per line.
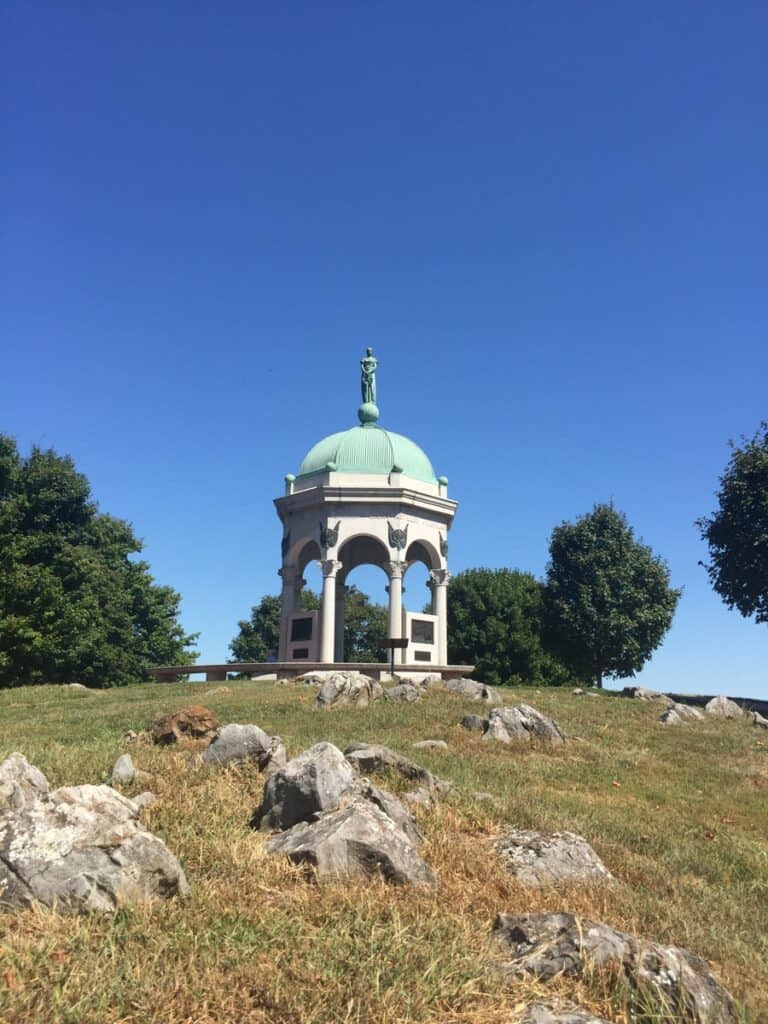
402 497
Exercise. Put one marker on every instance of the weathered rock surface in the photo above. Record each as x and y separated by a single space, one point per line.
196 723
473 690
546 945
430 745
420 797
522 722
348 688
559 1013
678 714
642 693
145 799
123 771
306 786
546 858
80 849
358 840
391 806
474 723
20 783
759 720
239 744
403 693
370 758
722 707
578 691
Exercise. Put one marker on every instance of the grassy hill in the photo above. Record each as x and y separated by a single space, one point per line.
678 814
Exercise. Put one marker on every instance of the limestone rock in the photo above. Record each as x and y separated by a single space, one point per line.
370 758
403 693
311 783
559 1013
547 858
546 945
642 693
348 688
420 797
391 806
81 849
578 691
238 744
758 720
430 745
522 722
359 840
20 783
474 723
678 714
145 799
197 723
722 707
123 771
473 690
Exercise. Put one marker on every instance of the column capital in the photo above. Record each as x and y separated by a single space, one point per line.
330 567
439 577
395 570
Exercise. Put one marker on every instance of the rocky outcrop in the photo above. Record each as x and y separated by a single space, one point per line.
20 783
81 848
758 719
474 723
340 689
550 945
358 840
678 714
391 806
548 858
241 744
472 690
195 723
372 758
306 786
430 745
723 707
403 693
642 693
522 722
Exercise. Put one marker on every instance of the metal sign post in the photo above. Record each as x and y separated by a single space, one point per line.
392 644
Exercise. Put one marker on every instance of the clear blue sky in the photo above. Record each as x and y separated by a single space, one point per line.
549 219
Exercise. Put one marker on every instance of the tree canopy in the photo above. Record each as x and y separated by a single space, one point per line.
75 606
365 623
609 602
495 623
737 533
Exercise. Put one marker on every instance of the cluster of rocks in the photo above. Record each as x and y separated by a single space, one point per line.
516 722
676 713
547 946
330 816
351 688
77 848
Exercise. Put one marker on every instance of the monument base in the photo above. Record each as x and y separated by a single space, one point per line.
290 669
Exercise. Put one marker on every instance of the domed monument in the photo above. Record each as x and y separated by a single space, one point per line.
365 496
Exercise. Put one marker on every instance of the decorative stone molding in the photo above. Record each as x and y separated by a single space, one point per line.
398 539
330 567
329 535
395 570
439 577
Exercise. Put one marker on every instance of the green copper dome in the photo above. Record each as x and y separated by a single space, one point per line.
368 449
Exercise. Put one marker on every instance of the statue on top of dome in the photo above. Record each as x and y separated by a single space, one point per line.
368 376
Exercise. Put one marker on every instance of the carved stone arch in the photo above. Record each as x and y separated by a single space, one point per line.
362 549
303 552
423 551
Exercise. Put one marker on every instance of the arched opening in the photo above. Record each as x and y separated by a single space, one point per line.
361 601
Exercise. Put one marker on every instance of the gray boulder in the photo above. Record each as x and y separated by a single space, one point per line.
372 758
306 786
143 800
391 806
522 722
474 723
21 783
358 840
420 797
642 693
403 693
430 745
549 945
239 744
722 707
678 714
473 690
559 1013
348 688
82 849
547 858
758 720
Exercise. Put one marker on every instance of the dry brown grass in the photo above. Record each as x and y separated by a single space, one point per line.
684 832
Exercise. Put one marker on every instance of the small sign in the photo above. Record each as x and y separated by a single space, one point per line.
394 643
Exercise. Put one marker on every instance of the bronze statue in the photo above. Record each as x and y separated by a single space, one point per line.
368 376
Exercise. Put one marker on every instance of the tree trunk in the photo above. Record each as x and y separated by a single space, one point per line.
599 681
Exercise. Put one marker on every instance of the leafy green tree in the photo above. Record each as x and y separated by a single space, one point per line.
737 533
608 598
365 624
495 623
75 604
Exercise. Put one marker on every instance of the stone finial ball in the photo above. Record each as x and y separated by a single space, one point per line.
368 413
289 478
443 480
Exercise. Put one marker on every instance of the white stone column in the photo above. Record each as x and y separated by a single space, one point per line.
396 570
328 611
439 579
339 622
289 602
